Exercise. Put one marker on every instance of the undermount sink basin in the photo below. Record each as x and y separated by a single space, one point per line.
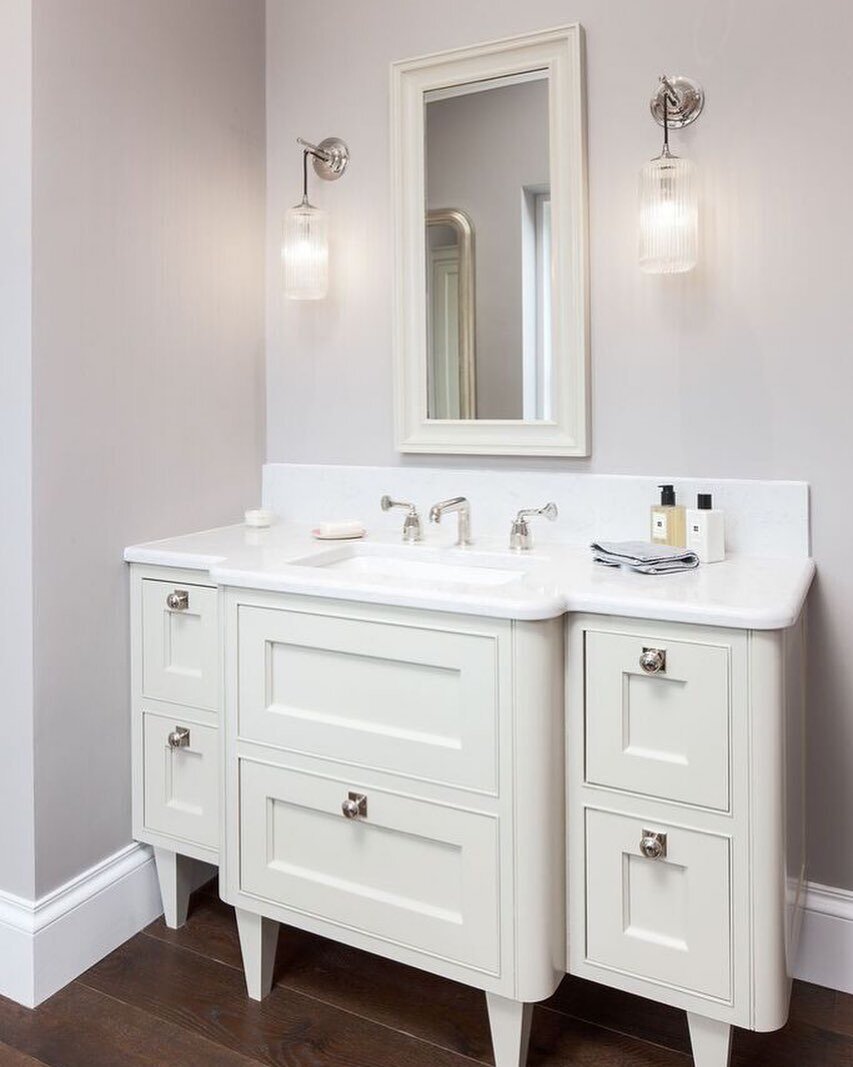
412 564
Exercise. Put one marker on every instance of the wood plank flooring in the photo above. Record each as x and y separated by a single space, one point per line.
176 997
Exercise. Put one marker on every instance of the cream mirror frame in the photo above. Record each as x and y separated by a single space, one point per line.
558 55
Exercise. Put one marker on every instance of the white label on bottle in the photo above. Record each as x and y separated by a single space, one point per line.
659 525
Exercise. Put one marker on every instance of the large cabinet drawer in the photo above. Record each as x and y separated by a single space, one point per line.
663 734
180 638
666 919
406 699
181 781
414 872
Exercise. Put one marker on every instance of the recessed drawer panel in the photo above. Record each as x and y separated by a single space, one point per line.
181 779
405 699
179 643
419 874
662 731
666 919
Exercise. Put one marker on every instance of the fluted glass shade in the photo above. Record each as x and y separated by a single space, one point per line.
305 253
669 216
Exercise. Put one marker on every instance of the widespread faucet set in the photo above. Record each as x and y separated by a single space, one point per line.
520 537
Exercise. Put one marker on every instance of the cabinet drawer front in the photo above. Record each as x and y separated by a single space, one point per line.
404 699
664 734
419 874
181 791
665 919
180 643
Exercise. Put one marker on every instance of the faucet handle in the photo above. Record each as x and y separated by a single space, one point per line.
520 537
412 521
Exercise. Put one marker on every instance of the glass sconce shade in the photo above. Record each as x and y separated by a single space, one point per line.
305 253
669 215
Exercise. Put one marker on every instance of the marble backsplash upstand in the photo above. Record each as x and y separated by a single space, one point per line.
763 518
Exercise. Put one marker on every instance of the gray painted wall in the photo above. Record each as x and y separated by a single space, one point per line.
148 291
16 654
482 149
740 369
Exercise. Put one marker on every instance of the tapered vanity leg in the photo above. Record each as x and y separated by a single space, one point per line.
258 942
174 872
510 1025
711 1041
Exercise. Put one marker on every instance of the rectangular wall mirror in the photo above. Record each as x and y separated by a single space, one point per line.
489 183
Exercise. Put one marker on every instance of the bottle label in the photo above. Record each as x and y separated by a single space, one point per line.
660 526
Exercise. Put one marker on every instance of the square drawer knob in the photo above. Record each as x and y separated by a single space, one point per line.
179 600
355 806
653 660
179 737
653 845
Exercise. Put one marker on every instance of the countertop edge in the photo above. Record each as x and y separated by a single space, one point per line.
780 616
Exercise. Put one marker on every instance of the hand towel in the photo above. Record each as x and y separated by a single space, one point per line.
644 557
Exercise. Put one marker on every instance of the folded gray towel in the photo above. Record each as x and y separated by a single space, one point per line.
644 557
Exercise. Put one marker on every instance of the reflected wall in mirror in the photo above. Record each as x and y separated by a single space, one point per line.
451 315
490 278
487 155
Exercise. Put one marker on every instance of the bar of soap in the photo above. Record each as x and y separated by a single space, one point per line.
340 529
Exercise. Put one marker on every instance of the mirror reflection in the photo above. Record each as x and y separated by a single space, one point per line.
488 248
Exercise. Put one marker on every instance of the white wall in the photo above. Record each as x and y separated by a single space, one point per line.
148 197
16 657
740 369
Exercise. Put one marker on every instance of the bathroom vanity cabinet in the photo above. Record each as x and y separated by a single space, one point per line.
177 714
496 800
389 778
685 850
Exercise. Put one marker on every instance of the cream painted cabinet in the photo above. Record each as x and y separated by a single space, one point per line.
394 780
685 815
491 800
175 696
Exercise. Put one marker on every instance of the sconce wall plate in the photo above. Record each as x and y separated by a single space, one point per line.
330 157
685 99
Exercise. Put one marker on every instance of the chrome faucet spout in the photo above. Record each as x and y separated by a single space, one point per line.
462 507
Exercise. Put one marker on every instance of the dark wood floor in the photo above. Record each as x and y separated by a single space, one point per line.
177 998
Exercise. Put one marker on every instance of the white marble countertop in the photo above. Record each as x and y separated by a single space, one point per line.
745 592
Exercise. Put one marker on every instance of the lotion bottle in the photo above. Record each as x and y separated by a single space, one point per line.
706 535
668 521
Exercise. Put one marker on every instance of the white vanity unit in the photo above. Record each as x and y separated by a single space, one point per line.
493 766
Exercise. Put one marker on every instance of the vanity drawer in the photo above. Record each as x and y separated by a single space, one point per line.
664 734
181 779
666 919
410 871
406 699
180 641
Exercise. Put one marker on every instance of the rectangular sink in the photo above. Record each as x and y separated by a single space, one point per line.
408 565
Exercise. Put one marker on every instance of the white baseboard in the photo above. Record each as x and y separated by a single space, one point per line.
46 943
826 943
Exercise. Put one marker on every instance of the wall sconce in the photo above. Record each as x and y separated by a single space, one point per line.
305 246
669 201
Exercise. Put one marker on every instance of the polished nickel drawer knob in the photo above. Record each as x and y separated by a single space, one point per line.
355 806
653 845
179 600
653 660
179 737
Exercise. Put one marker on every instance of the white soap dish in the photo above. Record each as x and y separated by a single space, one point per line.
338 531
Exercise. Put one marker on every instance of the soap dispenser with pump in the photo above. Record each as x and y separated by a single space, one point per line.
668 521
